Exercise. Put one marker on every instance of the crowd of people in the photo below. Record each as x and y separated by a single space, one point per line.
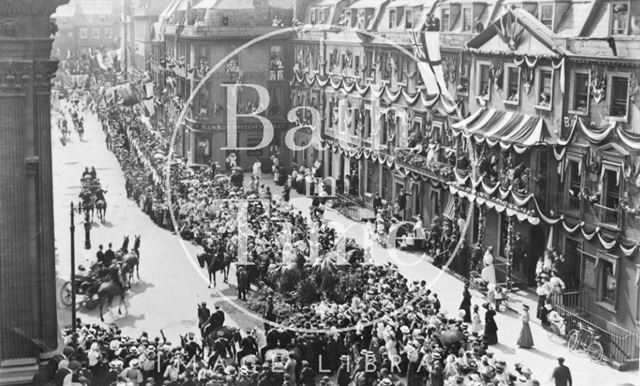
386 331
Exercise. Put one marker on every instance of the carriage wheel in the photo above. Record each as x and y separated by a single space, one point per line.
66 295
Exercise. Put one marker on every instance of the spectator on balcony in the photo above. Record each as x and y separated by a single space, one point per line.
432 23
420 147
462 161
432 153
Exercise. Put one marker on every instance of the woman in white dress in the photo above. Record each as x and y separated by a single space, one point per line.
488 273
476 322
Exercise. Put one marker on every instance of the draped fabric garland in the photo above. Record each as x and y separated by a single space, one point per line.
535 130
596 135
340 83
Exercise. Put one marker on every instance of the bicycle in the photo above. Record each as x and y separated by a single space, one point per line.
585 338
556 325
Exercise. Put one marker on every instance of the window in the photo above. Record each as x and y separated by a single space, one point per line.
580 92
608 281
96 33
321 16
545 88
372 176
611 186
512 74
382 133
546 15
618 95
484 81
408 19
619 17
465 76
392 18
83 33
573 185
445 19
367 125
108 33
466 20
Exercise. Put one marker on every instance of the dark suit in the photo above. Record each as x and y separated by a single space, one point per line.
109 257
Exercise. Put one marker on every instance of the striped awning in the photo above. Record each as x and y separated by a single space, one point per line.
450 209
506 128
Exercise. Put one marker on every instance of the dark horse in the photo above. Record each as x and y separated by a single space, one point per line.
130 260
110 289
231 334
101 207
88 203
214 264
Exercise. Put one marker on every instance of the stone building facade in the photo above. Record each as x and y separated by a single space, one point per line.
28 322
542 153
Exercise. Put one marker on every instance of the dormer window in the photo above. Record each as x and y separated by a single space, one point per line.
408 19
467 21
392 18
619 17
445 19
618 96
546 15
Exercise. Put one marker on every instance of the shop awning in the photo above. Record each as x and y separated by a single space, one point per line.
509 129
450 209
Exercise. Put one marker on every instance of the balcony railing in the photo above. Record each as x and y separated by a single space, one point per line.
419 163
607 217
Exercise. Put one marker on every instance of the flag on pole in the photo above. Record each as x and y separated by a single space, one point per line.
426 48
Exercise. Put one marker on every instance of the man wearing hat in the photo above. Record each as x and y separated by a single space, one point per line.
132 374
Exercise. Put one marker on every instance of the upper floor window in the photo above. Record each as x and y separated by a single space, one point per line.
83 33
579 92
466 20
392 18
545 88
618 95
484 80
512 74
619 17
611 188
546 15
408 19
95 33
607 280
445 19
321 16
108 33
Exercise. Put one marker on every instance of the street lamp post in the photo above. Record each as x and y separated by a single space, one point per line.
73 267
87 231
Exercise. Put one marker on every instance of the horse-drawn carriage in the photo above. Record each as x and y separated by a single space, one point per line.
91 184
92 196
86 285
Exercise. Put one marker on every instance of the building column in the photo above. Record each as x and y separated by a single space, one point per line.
28 320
